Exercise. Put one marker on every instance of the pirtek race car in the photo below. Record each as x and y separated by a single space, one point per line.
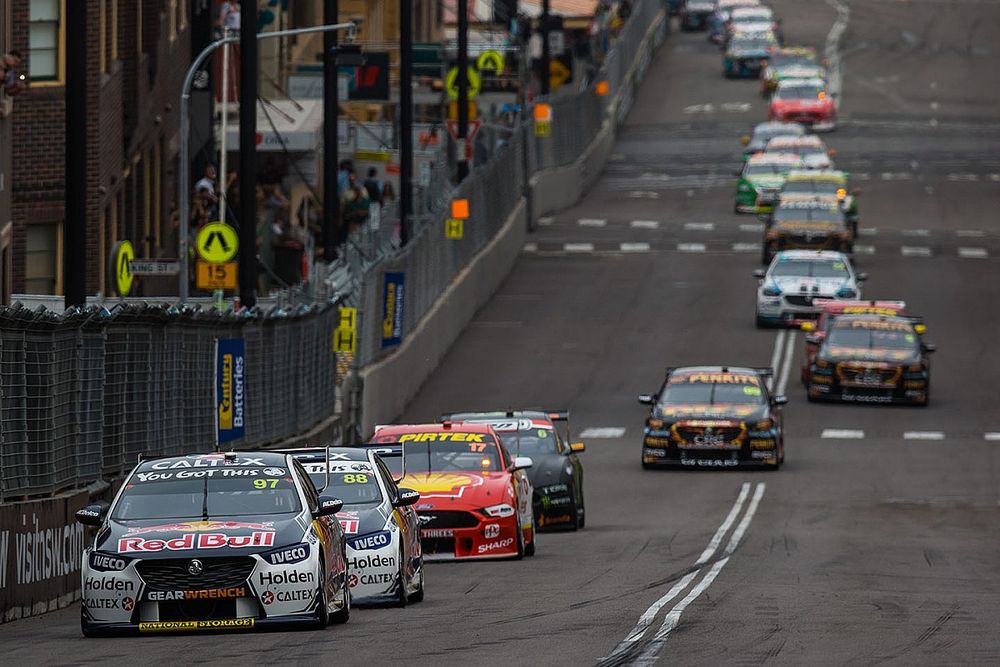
829 309
214 542
871 359
713 417
475 497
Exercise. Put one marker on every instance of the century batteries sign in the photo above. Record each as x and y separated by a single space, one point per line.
230 389
392 308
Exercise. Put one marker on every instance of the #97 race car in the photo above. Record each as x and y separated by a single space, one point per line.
475 497
828 311
214 542
714 417
379 522
556 472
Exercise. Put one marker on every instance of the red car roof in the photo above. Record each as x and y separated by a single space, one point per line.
835 307
465 427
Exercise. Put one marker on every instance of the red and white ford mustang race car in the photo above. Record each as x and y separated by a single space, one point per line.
804 101
475 498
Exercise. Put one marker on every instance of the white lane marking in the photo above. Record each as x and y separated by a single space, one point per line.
603 432
530 247
963 177
634 247
861 176
617 157
842 434
868 231
915 251
642 194
992 436
970 233
699 226
786 367
896 176
591 222
752 227
973 253
864 250
647 616
779 340
746 247
935 106
652 652
916 232
995 177
690 247
923 435
699 108
546 220
578 247
832 49
645 224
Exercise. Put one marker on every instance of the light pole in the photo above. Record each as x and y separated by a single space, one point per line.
185 129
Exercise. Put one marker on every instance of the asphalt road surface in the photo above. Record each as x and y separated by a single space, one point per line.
875 543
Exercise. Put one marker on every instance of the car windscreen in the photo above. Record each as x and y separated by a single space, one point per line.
818 187
475 456
215 492
788 60
712 388
353 483
754 43
529 442
800 92
812 268
765 134
795 213
767 169
871 333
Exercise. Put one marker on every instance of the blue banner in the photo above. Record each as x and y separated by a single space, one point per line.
392 309
230 389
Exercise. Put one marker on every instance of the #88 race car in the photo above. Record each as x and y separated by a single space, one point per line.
379 522
214 542
713 417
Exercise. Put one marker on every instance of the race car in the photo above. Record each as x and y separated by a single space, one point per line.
746 53
812 150
475 497
232 540
761 179
803 101
872 359
763 132
752 19
380 524
804 222
556 473
714 417
825 183
830 309
720 17
694 15
789 62
787 291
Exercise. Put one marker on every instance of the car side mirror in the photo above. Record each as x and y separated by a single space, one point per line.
832 153
929 348
780 400
91 515
861 277
759 273
522 462
813 339
646 399
328 505
577 447
808 326
406 497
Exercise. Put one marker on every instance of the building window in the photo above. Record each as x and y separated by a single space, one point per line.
41 259
45 40
172 19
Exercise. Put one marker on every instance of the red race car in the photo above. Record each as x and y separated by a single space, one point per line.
830 309
804 101
475 498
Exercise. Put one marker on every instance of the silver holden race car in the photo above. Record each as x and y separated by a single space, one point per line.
381 527
795 278
219 541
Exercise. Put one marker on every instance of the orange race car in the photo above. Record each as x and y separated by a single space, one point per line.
829 309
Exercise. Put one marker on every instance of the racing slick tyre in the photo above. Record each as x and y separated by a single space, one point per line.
322 601
401 597
344 615
529 550
520 544
85 627
418 596
647 466
582 517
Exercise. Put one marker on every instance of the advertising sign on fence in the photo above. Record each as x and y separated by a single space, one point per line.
230 389
392 309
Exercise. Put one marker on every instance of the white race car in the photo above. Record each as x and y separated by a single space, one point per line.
795 278
381 527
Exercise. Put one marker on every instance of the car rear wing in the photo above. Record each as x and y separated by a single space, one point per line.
391 453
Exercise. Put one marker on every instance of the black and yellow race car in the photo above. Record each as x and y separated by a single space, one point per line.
714 417
806 222
872 359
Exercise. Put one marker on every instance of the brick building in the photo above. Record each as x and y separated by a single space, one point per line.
137 56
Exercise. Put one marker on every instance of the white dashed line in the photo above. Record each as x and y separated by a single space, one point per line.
868 231
530 247
916 232
746 247
546 220
896 176
699 226
993 436
963 177
970 233
864 250
690 247
861 176
578 247
645 224
752 227
935 106
915 251
973 253
634 247
642 194
603 432
842 434
591 222
923 435
995 177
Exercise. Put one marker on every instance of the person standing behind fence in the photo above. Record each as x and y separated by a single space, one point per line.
356 203
374 186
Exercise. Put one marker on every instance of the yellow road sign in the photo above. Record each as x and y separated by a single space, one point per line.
215 276
453 229
121 267
217 242
543 128
451 82
345 336
490 60
558 73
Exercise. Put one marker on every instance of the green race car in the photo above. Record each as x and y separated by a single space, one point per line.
761 179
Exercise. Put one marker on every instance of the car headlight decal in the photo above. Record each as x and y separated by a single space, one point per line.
289 555
499 511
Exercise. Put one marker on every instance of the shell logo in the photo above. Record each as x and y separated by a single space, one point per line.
444 483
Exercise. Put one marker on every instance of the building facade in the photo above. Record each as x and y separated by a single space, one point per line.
137 53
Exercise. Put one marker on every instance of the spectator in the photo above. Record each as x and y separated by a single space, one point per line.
388 192
356 203
12 81
229 16
373 186
207 182
343 174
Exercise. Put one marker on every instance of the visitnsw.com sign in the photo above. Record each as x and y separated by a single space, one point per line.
392 308
230 389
